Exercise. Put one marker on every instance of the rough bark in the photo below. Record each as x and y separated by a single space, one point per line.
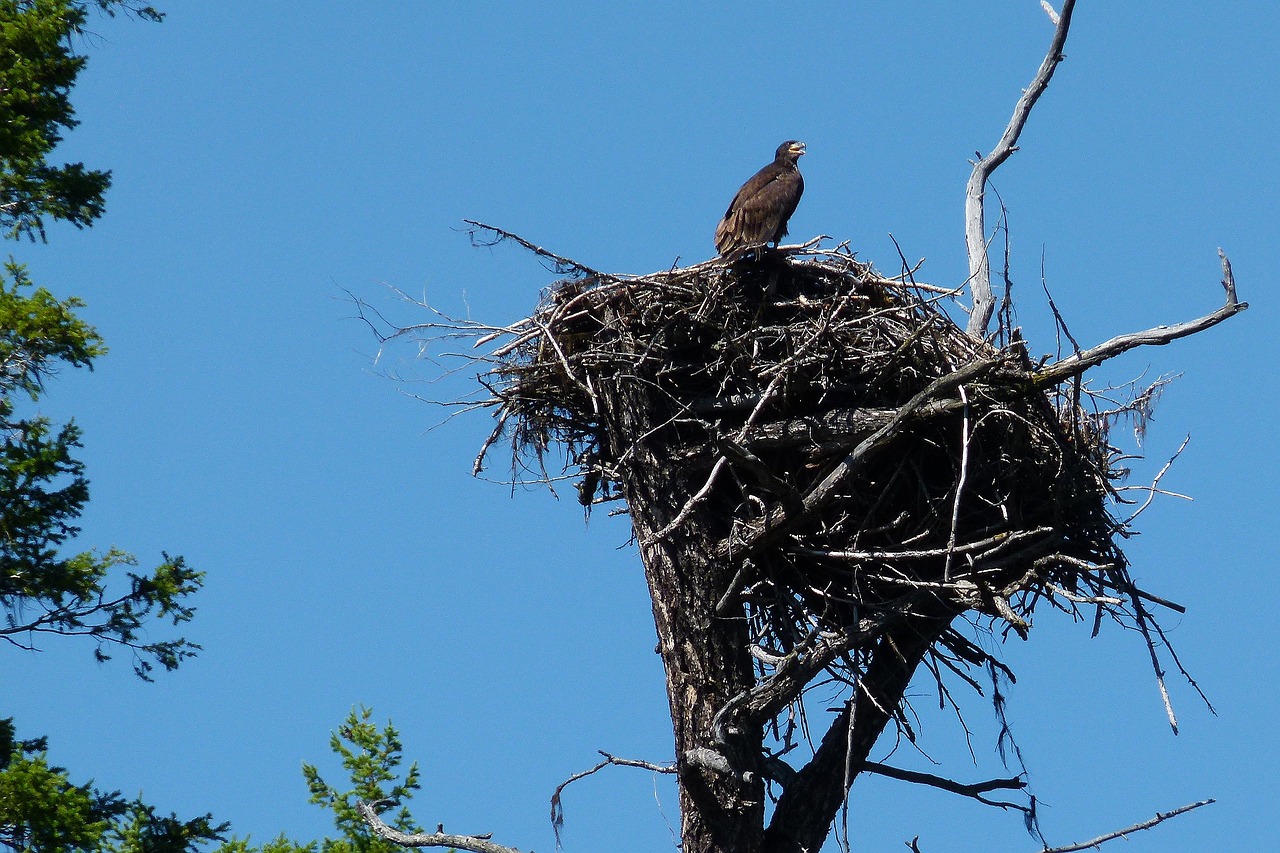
705 655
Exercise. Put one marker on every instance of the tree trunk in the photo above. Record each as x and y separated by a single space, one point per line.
705 655
811 801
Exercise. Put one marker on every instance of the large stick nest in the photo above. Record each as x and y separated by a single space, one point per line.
834 443
844 440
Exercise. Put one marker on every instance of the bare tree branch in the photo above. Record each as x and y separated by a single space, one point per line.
561 265
1160 817
557 808
975 192
439 838
974 789
1073 365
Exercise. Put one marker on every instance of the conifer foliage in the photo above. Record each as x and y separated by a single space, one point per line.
43 487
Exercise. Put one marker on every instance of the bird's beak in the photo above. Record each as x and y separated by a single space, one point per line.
800 149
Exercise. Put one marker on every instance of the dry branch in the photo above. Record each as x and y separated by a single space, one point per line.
557 807
1160 817
778 521
975 193
439 838
974 790
561 265
1076 364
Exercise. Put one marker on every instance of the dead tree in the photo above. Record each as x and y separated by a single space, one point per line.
830 483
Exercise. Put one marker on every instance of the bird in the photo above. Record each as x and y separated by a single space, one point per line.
759 212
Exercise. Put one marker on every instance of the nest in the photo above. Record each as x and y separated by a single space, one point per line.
834 438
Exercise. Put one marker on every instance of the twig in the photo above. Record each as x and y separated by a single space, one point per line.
1142 618
973 790
821 492
563 265
766 397
1154 489
1082 599
975 216
557 808
1059 321
1003 538
1160 817
1173 653
960 483
1078 363
692 503
478 465
775 692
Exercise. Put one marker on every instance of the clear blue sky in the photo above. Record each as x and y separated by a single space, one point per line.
269 156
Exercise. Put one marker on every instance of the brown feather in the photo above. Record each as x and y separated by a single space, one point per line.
759 212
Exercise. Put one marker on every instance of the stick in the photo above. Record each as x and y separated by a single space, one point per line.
563 265
1160 817
1074 365
974 790
974 214
823 491
557 808
439 838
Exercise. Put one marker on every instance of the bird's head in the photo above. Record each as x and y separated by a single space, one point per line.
791 150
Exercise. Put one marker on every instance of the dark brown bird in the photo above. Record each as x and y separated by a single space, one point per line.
759 212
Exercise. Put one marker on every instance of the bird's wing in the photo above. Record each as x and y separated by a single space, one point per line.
760 210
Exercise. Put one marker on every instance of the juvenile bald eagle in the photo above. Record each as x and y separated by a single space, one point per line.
759 212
